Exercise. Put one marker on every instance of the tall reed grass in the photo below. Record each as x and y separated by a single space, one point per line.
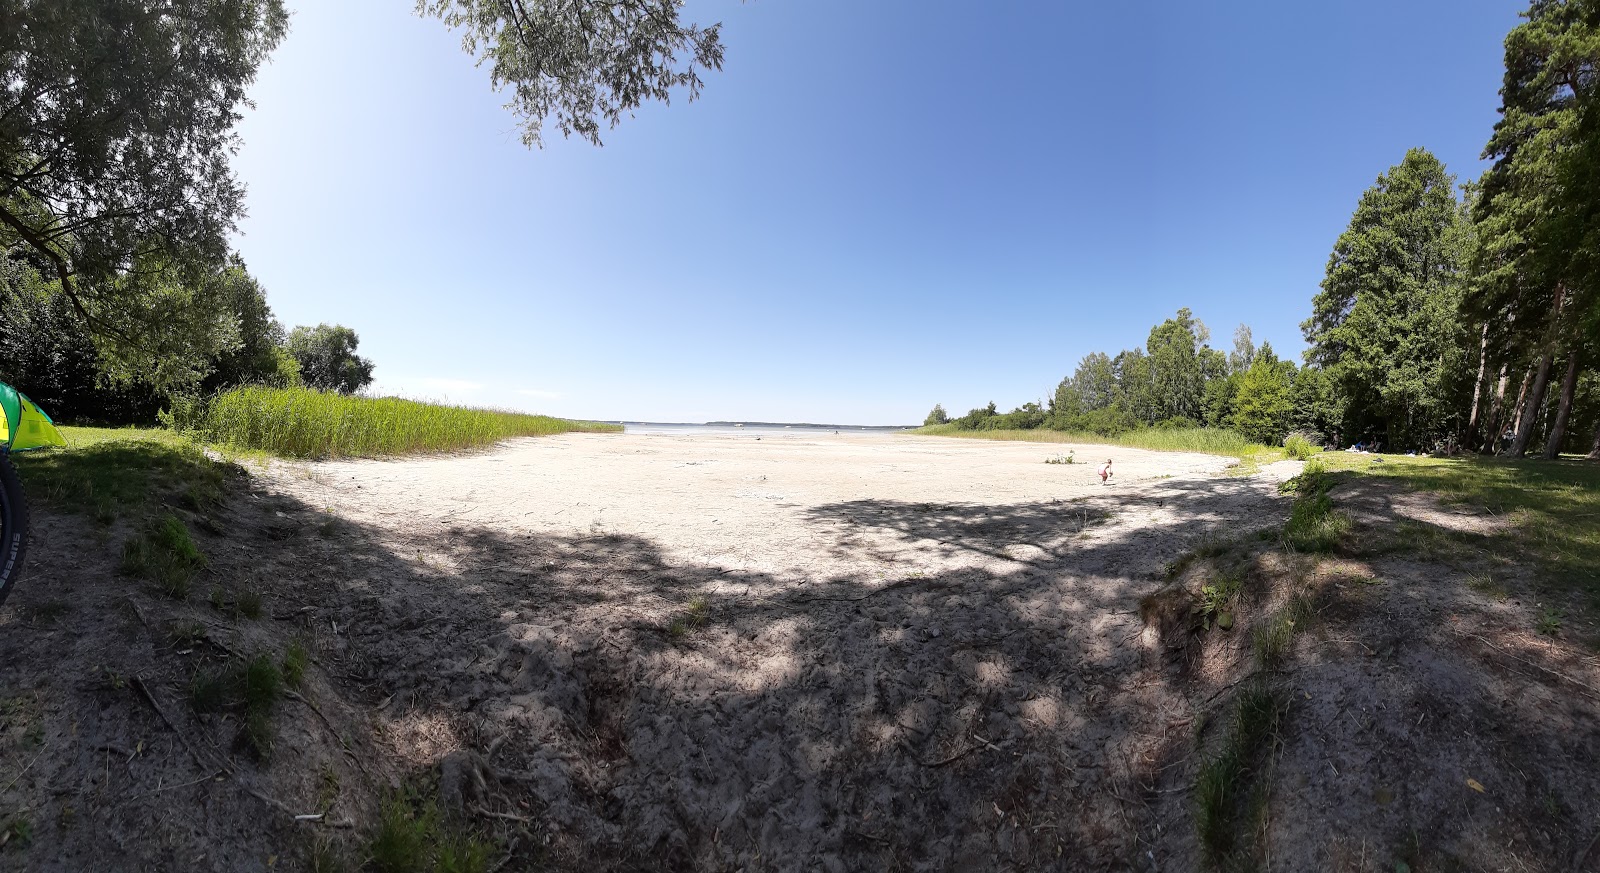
302 423
1209 440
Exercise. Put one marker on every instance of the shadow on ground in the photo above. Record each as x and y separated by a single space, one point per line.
598 707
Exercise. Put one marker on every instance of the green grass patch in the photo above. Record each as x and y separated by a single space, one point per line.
250 688
301 423
1210 440
414 838
1228 785
1550 509
111 472
1273 637
164 553
295 660
1298 448
1314 525
694 617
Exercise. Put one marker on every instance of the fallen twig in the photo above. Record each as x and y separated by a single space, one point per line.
23 771
1540 667
150 698
957 756
508 816
206 778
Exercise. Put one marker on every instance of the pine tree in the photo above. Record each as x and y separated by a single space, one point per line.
1386 326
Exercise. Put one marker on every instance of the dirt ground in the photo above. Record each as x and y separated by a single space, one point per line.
819 652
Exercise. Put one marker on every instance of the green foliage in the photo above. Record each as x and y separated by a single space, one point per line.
415 838
937 416
295 659
119 120
1217 598
1297 447
327 360
1264 403
301 423
164 553
1386 325
257 356
585 64
1177 361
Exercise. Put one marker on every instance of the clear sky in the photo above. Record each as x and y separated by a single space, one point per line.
874 207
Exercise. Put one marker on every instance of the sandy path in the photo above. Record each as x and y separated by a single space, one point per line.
912 653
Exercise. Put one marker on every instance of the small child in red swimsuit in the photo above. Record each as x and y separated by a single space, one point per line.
1105 472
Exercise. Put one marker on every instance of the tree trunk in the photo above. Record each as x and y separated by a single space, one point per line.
1569 386
1594 453
1534 404
1529 415
1515 417
1492 426
1471 438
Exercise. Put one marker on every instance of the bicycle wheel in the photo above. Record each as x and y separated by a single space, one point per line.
13 525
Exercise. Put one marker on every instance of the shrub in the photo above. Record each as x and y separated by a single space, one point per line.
1298 447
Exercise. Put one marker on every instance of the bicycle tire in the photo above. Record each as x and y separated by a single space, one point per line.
13 525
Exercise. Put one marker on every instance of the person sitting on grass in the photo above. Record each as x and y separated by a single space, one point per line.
1105 472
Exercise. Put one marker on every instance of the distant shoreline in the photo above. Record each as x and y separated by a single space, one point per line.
769 424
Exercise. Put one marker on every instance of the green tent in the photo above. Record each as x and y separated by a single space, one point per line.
25 425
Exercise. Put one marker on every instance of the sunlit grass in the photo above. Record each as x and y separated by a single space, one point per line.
1212 441
108 472
300 423
1551 508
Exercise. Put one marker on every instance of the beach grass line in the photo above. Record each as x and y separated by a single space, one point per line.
302 423
1208 440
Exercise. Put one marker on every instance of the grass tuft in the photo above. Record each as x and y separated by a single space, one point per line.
251 688
693 618
302 423
1272 638
1227 776
165 554
415 839
1313 524
295 660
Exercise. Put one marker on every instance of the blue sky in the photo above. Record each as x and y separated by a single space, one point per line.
874 207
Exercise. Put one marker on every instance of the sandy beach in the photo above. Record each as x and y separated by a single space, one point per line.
761 652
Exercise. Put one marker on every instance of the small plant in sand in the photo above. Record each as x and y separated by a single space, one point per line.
415 838
1272 638
1061 459
1313 524
251 688
693 619
1550 622
295 659
1217 599
165 554
1229 787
